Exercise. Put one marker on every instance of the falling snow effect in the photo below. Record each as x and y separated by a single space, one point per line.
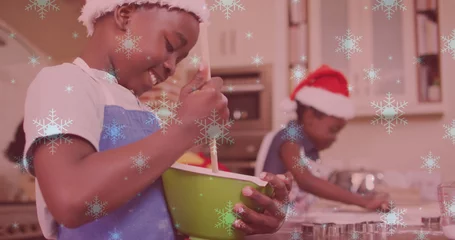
418 60
450 131
348 44
96 208
227 7
355 235
298 73
389 114
256 60
371 74
295 234
140 162
42 7
52 129
449 208
421 235
302 162
389 6
115 235
226 217
287 209
393 219
430 162
166 111
23 163
214 130
293 132
75 35
33 60
69 89
128 44
449 44
249 35
111 74
114 131
350 88
195 60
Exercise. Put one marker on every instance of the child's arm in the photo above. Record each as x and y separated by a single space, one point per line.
314 185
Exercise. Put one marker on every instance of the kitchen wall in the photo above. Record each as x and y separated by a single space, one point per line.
362 144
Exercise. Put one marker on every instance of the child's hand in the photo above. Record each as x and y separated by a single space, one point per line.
200 97
271 220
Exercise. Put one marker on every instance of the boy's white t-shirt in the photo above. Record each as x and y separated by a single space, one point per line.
65 99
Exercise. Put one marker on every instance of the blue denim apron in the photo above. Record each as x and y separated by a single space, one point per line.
145 217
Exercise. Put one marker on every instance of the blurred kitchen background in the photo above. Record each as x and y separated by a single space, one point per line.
262 52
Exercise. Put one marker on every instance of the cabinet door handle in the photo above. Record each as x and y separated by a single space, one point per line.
223 43
233 42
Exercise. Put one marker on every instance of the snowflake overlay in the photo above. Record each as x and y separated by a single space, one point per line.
52 131
389 6
140 162
296 234
257 60
298 73
302 162
214 130
430 162
287 209
421 235
449 44
111 75
166 111
226 217
348 44
96 208
33 60
115 235
42 6
227 7
293 132
24 163
128 44
393 219
450 131
449 208
371 74
114 131
355 235
389 115
195 60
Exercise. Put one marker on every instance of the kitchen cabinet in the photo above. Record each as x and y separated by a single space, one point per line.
229 44
375 51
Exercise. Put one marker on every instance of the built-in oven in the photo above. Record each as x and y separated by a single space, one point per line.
248 90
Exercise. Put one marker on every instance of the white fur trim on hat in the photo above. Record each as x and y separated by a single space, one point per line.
93 9
327 102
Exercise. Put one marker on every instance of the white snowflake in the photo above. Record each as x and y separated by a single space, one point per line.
450 131
430 162
393 219
348 44
449 208
355 235
421 235
195 60
33 60
389 6
96 208
249 35
75 35
114 131
12 35
257 60
350 88
115 235
13 81
128 44
297 73
214 130
293 132
296 234
227 7
302 162
287 209
303 58
42 6
371 74
449 44
23 163
140 162
226 217
69 88
166 111
52 131
111 74
389 115
418 60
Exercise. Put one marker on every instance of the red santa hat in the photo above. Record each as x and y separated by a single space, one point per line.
325 90
93 9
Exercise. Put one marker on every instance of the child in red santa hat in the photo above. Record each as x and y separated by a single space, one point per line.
320 106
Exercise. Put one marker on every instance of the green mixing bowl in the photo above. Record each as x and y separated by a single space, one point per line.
201 202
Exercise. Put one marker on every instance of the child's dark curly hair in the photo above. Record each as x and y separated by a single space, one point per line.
16 147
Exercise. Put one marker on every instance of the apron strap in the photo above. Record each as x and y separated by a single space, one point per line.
107 94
